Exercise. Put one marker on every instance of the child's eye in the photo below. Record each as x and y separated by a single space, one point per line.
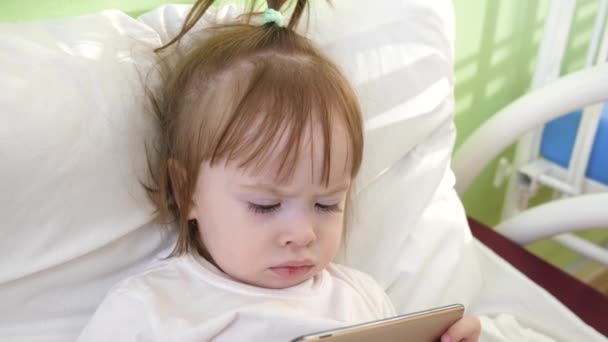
328 207
263 208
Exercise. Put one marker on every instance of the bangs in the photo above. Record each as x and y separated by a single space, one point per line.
279 107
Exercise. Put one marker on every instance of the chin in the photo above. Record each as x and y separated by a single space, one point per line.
286 283
273 280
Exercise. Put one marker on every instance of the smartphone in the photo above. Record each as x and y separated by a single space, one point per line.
423 326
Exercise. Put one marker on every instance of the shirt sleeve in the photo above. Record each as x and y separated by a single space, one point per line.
383 302
120 317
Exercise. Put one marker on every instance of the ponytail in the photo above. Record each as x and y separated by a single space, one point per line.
200 7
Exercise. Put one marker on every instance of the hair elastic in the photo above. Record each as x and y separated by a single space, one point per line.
272 16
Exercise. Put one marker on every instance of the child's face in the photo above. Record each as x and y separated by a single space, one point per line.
269 234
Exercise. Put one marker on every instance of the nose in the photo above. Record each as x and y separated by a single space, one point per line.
299 233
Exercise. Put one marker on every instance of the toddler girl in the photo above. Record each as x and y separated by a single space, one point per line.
261 139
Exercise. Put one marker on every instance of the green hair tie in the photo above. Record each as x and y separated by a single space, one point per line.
272 16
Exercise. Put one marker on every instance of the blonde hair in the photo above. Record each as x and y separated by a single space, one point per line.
235 78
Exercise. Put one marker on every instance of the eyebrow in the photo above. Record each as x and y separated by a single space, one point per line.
271 188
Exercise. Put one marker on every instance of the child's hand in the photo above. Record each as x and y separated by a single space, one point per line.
466 329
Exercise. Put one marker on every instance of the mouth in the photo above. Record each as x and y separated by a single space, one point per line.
292 269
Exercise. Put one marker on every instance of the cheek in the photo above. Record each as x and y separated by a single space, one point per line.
331 231
217 224
232 232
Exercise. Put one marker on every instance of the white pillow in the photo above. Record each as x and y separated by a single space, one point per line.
76 219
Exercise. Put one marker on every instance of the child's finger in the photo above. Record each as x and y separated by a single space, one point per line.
465 329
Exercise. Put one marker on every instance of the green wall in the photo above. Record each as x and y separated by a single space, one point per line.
24 10
496 42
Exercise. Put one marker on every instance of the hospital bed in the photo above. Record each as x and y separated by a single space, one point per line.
75 125
576 90
560 146
566 150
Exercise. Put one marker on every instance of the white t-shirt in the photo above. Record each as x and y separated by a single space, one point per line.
188 299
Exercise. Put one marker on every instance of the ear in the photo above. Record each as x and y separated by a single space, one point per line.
179 180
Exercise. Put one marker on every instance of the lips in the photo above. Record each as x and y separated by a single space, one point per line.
292 268
296 263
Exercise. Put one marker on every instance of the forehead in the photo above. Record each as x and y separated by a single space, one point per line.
274 120
320 158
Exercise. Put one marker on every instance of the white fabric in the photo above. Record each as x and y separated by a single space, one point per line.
74 218
188 299
76 221
521 308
